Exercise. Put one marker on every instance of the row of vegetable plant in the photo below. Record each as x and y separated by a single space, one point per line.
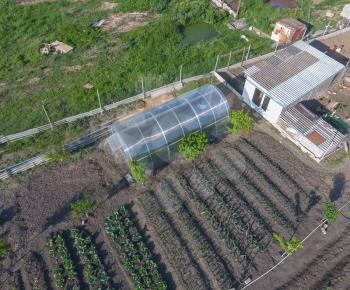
277 168
263 178
202 245
177 254
94 269
135 255
64 269
217 224
262 198
234 196
236 216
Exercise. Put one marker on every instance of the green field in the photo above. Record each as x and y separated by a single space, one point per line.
112 62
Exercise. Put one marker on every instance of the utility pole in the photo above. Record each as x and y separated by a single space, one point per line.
99 102
47 116
229 59
217 62
181 74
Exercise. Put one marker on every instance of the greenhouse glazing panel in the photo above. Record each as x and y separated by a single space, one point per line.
152 137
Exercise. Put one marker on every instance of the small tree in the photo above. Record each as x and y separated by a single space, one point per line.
192 145
4 249
138 171
330 212
82 207
240 122
281 241
291 247
294 245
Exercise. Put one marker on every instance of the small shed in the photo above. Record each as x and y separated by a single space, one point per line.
310 132
288 30
296 73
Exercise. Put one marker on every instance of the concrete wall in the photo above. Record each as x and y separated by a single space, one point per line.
273 110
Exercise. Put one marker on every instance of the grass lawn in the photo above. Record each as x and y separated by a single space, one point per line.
112 62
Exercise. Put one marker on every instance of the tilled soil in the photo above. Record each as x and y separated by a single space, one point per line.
210 221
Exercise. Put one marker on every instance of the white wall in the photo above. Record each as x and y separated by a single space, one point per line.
273 110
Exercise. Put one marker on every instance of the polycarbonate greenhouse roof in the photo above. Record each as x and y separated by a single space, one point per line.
152 136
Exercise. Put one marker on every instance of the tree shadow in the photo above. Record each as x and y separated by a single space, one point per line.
313 200
7 214
339 182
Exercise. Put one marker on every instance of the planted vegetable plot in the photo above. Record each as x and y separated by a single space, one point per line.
135 256
64 271
94 270
216 216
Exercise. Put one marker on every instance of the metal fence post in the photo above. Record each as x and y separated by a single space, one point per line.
217 62
47 116
229 59
99 101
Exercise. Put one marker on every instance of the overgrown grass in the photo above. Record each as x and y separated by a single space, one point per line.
113 63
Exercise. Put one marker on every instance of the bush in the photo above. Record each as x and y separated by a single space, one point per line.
138 171
82 207
193 145
294 245
281 241
4 248
330 212
240 122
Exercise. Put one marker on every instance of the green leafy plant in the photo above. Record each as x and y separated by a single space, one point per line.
4 248
330 212
138 171
294 245
240 122
281 241
192 145
82 207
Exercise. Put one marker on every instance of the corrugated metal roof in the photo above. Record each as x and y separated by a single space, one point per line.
299 123
293 73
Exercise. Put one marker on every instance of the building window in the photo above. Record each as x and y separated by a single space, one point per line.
257 97
265 103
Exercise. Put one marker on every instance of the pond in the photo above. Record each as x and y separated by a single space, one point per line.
281 4
196 33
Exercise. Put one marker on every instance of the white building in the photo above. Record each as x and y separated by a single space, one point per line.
276 85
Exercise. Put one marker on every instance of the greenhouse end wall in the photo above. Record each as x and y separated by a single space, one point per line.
152 137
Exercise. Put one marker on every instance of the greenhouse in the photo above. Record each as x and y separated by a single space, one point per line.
152 137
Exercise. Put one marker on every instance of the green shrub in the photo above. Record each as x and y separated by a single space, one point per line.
294 245
82 207
281 241
138 171
4 248
240 122
330 212
192 145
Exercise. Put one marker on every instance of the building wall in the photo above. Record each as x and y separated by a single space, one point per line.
273 110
